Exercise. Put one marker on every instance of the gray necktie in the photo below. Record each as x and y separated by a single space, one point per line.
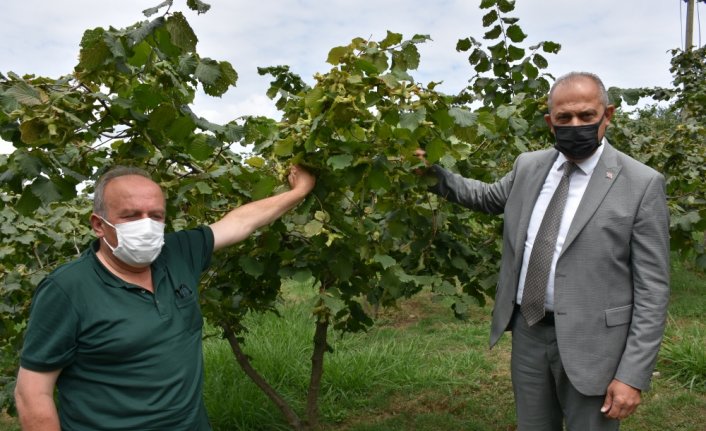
540 261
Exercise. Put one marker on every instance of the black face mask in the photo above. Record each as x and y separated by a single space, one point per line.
577 142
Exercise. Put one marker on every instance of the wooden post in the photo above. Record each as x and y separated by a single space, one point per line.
689 37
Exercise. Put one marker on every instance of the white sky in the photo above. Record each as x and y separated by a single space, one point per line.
626 42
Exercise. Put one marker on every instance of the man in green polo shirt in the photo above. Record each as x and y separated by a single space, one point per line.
118 330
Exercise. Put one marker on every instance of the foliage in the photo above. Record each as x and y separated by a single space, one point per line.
127 102
31 247
673 141
368 236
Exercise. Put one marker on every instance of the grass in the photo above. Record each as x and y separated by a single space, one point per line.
683 354
420 369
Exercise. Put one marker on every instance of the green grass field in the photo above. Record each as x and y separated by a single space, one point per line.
420 369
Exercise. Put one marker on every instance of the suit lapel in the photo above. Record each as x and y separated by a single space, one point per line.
602 179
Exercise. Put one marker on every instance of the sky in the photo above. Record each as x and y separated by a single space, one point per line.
626 42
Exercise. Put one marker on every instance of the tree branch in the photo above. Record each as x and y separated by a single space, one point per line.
244 362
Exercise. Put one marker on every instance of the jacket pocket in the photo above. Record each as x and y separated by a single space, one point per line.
618 316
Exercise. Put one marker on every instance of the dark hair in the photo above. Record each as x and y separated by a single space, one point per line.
576 75
112 173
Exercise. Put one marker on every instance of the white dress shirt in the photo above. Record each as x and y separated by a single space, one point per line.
577 186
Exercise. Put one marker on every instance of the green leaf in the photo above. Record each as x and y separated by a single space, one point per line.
412 120
410 54
378 180
94 51
390 40
162 117
463 45
506 6
485 4
6 251
551 47
520 126
515 53
251 266
463 117
540 61
487 120
181 32
313 228
33 132
340 161
180 129
302 276
153 10
263 188
498 52
390 80
505 111
204 188
490 18
530 71
284 147
227 77
494 33
435 150
515 33
442 118
314 100
29 166
198 147
336 54
255 162
28 202
685 221
188 63
142 31
199 6
147 97
25 94
519 144
45 190
207 71
384 260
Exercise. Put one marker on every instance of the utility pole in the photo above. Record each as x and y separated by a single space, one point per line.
689 37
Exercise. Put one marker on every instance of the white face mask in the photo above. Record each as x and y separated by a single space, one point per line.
139 241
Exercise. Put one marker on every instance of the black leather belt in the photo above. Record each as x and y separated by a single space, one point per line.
547 320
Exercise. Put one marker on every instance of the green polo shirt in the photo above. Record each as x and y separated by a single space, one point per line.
130 359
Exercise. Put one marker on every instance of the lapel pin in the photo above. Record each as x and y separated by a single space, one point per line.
609 175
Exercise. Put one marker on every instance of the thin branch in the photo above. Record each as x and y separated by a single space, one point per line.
244 361
36 255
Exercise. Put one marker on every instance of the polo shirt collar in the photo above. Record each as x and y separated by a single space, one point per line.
110 279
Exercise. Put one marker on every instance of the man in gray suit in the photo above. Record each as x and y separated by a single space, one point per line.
587 354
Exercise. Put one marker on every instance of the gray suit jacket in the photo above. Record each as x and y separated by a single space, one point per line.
612 277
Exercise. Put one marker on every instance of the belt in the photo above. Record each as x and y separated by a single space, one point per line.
547 320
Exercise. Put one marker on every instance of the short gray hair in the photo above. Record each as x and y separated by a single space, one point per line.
111 174
579 75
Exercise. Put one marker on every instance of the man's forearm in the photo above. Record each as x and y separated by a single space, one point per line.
38 414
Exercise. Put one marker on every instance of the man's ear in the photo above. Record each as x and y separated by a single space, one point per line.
548 119
98 225
609 111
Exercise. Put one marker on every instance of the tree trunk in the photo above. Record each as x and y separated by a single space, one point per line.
317 370
290 415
